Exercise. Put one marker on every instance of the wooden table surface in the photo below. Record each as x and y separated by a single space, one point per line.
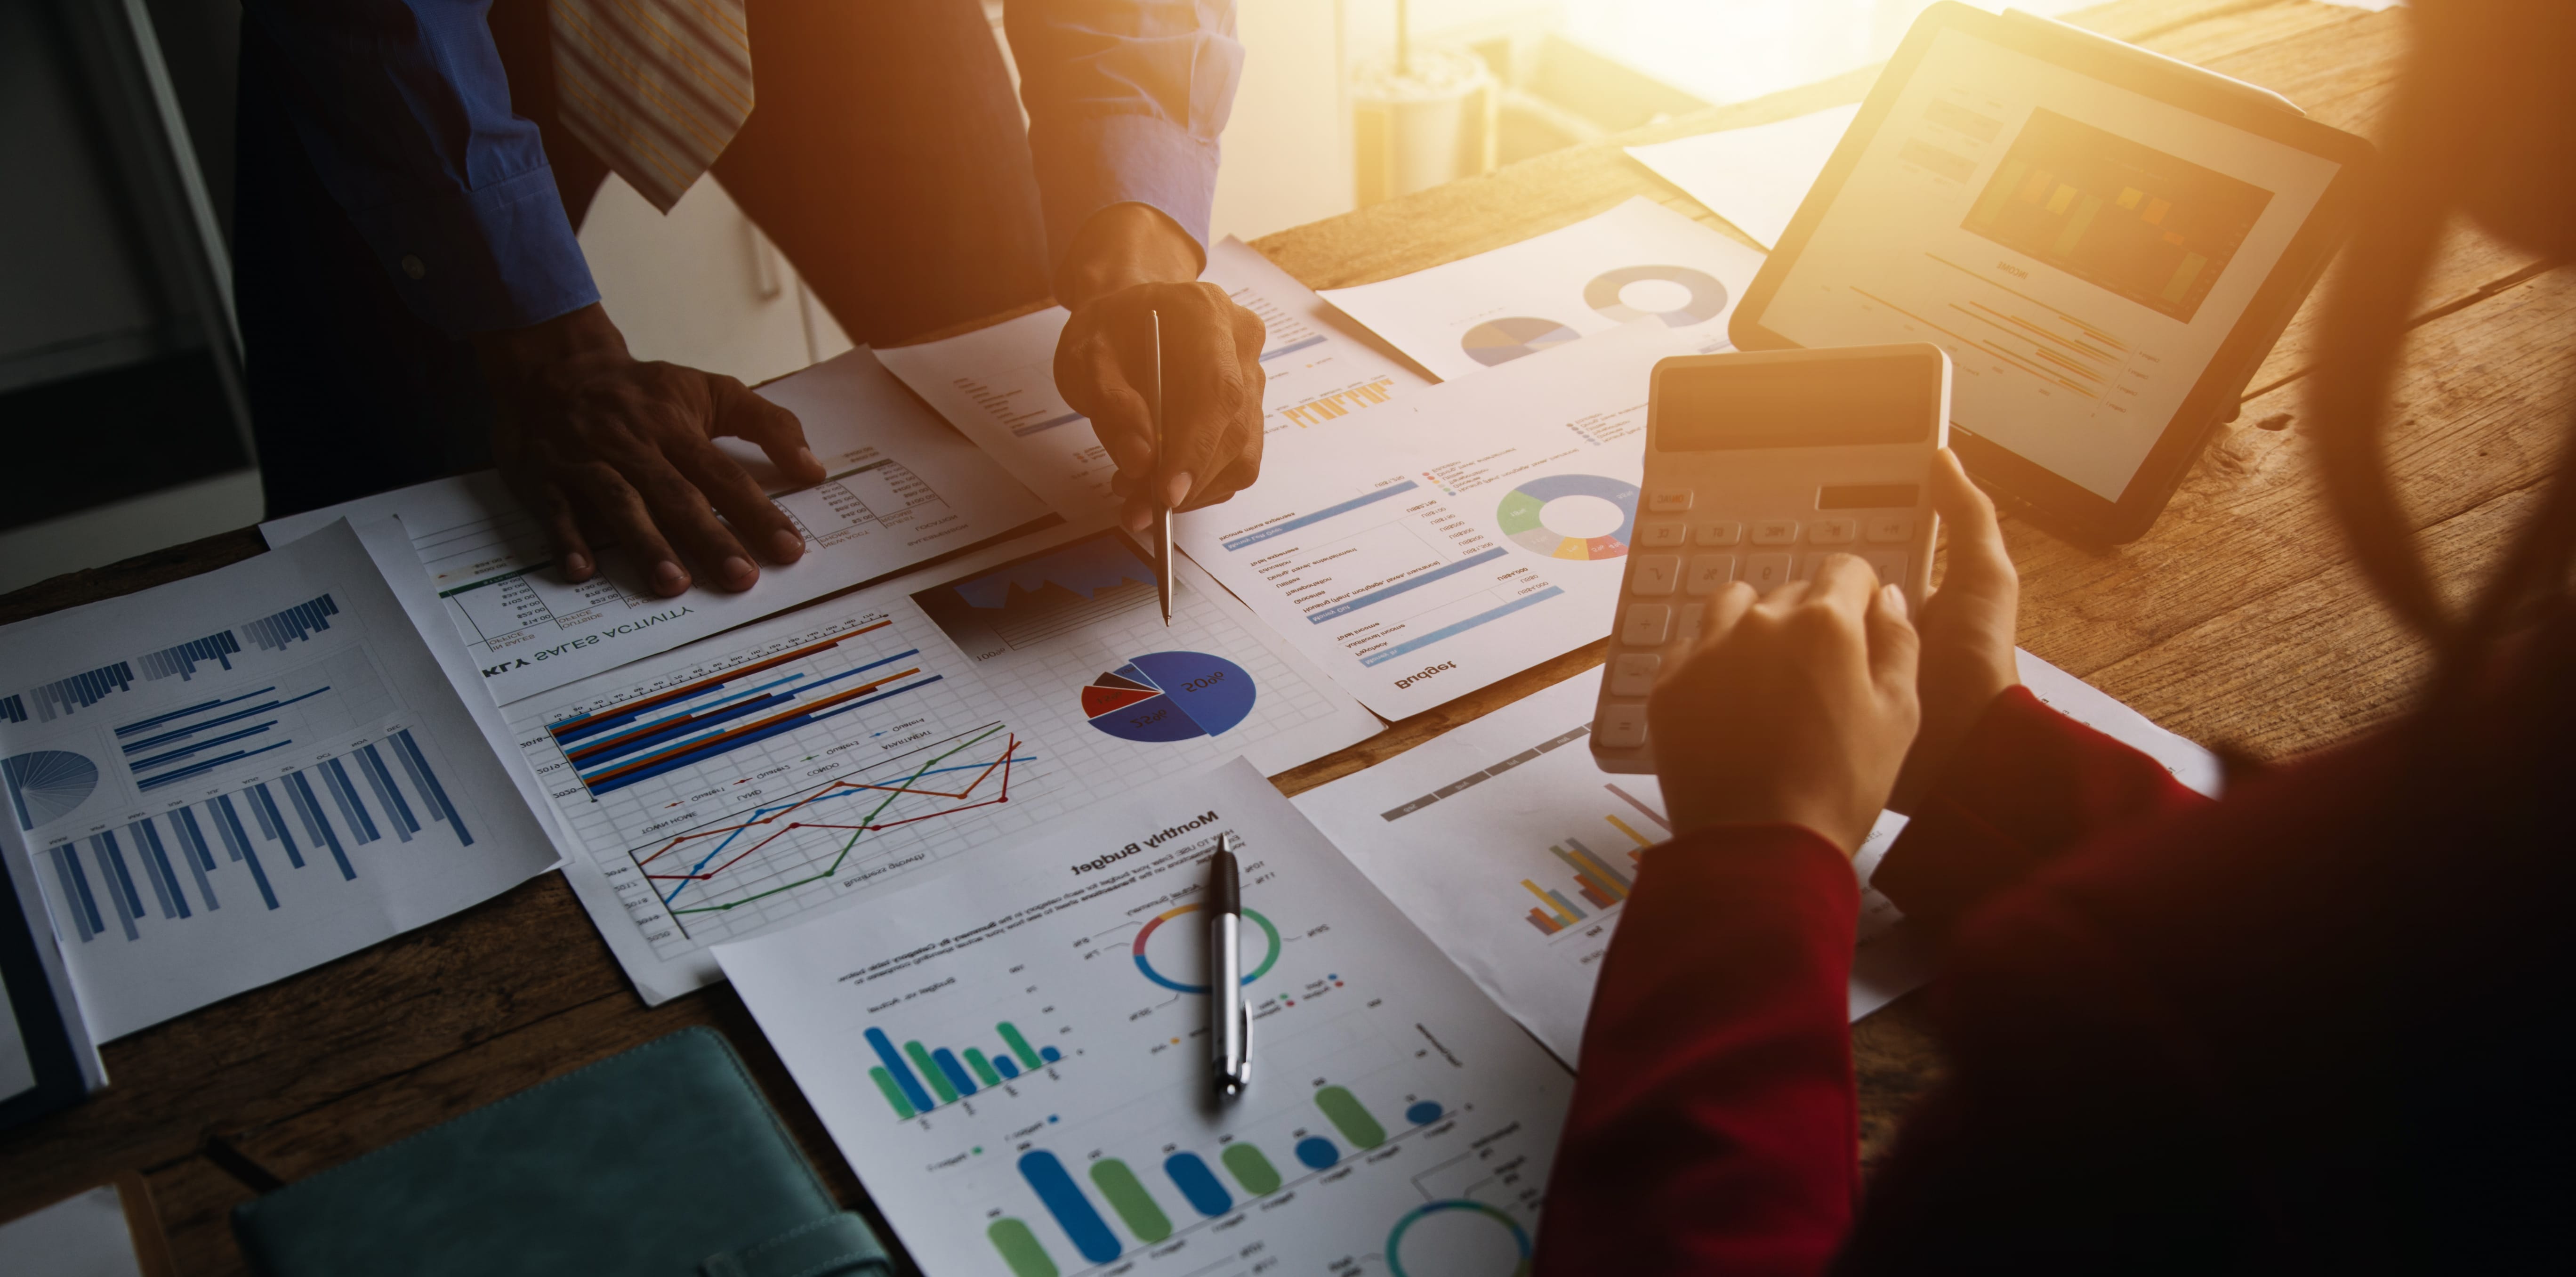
2236 620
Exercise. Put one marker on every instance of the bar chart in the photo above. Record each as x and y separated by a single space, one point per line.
918 1079
78 692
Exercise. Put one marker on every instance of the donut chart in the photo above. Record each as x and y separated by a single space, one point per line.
1269 959
1522 507
1169 696
1707 295
1500 341
1458 1235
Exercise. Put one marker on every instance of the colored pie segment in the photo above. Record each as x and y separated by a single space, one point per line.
1169 696
1521 508
1500 341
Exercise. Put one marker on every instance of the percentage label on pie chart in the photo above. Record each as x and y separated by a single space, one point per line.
1169 696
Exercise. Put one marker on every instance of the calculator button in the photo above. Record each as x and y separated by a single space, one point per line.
1647 625
1889 564
1723 532
1775 532
1765 571
1664 534
1690 625
1620 726
1669 502
1833 531
1657 575
1709 571
1634 674
1890 529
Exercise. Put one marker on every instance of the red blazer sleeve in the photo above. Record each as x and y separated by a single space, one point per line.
2028 783
1714 1127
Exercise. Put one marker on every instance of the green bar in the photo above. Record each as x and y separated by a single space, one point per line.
1250 1169
1133 1203
929 1069
2184 275
1349 1118
1029 1061
983 1068
893 1093
2076 226
1020 1249
1998 191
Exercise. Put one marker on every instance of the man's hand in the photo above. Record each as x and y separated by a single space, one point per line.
1796 708
1128 263
1967 628
588 436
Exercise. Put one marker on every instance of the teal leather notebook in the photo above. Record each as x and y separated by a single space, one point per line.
662 1160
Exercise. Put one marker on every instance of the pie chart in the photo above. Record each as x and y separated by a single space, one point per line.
1500 341
1705 298
1570 516
1169 696
47 783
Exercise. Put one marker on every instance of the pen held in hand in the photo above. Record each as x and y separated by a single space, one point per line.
1162 507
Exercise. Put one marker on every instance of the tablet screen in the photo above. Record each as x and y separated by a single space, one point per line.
2082 251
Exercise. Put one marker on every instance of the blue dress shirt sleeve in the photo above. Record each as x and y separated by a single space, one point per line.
404 107
1126 99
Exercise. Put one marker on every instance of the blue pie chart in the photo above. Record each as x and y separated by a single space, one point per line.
1169 696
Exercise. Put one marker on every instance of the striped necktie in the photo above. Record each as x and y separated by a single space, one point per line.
654 87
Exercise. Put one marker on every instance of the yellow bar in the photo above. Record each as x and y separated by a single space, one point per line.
1562 919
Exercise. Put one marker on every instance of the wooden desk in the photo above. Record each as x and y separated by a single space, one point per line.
2236 620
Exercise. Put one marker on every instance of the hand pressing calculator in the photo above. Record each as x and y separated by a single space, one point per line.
1758 465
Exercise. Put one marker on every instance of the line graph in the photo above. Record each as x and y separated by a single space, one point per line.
776 849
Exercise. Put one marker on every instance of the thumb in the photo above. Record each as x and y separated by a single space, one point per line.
1978 560
1893 645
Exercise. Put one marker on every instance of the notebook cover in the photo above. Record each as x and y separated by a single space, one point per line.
647 1162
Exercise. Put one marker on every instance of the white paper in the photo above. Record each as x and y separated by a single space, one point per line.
2195 767
903 488
997 384
84 1235
1001 673
1479 833
1394 1113
1638 261
1477 530
1754 177
229 779
17 1071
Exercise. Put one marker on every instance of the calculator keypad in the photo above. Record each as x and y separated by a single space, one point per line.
1664 534
1719 532
1656 575
1775 532
1647 625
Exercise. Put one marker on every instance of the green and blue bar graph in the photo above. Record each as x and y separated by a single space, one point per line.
917 1079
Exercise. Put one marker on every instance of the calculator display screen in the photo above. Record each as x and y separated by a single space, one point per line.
1803 404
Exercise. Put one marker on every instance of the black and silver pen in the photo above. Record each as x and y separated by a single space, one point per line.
1162 508
1229 1020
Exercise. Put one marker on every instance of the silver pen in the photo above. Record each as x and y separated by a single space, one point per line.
1229 1020
1162 508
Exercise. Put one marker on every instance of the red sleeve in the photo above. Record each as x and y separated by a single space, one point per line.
2027 784
1713 1128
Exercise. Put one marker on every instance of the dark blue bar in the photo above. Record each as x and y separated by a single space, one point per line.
76 895
1292 348
410 750
1380 657
337 777
1071 1209
111 867
315 823
148 843
114 857
1199 1184
1050 423
198 748
957 1075
272 822
372 766
784 725
650 741
568 736
1003 1065
158 719
1050 1054
207 766
1282 529
1317 1152
1410 583
228 824
902 1071
194 728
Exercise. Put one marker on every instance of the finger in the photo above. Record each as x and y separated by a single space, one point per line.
613 504
1894 647
1208 391
1978 558
1844 582
681 511
1229 481
775 430
1096 382
545 502
738 497
1725 610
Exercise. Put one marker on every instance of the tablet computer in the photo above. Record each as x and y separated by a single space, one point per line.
2106 241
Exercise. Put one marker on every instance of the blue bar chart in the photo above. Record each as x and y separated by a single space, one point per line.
182 661
918 1079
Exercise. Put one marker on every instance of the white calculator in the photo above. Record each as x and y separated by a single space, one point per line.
1758 465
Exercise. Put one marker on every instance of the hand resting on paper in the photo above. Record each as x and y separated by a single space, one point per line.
599 444
1128 263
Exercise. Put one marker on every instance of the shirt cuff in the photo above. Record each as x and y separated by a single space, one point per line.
475 261
1085 165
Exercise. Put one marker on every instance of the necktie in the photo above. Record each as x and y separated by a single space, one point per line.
654 87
